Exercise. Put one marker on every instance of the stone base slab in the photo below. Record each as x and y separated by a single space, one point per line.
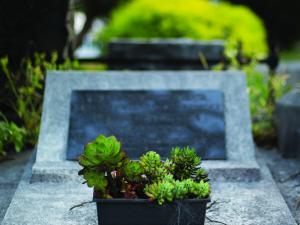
233 203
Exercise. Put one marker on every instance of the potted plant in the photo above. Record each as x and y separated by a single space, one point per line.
145 192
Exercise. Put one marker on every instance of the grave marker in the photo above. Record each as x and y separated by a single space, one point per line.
237 162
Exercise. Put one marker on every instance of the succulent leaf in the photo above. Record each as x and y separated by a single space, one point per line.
95 179
152 165
103 151
133 171
186 161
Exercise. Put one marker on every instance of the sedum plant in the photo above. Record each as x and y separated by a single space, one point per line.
108 170
185 161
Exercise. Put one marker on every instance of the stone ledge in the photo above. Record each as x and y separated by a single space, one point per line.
218 170
237 203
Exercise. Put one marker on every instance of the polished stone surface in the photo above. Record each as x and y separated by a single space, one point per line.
149 120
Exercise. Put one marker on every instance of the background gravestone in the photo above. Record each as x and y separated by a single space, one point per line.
164 54
196 89
288 123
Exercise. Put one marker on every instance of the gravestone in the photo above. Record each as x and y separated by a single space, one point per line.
240 202
206 110
288 124
164 54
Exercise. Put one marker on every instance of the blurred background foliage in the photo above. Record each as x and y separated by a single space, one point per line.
261 102
196 19
30 31
261 108
21 97
279 17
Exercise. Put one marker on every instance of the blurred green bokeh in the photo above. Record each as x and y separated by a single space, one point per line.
196 19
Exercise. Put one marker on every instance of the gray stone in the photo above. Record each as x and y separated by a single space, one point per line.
258 202
51 163
164 54
11 173
234 203
292 69
289 70
286 173
149 120
288 123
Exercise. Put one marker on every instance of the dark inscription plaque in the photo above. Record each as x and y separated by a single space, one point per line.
149 120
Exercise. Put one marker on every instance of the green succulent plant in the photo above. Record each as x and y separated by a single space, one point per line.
112 174
95 178
133 171
100 158
170 189
153 166
201 174
197 189
104 152
186 161
161 191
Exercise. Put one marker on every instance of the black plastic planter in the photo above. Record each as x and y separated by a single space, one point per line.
144 212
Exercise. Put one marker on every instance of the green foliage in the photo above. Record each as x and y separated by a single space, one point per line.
95 178
100 158
260 88
196 19
201 174
133 171
186 161
103 152
161 191
152 165
22 93
10 134
107 169
171 189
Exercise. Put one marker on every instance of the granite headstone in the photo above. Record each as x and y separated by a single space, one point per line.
164 54
225 113
288 124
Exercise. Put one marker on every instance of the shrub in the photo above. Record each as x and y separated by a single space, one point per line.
260 88
112 175
196 19
21 97
10 134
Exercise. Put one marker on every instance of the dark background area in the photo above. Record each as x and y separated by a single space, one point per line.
33 26
43 26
